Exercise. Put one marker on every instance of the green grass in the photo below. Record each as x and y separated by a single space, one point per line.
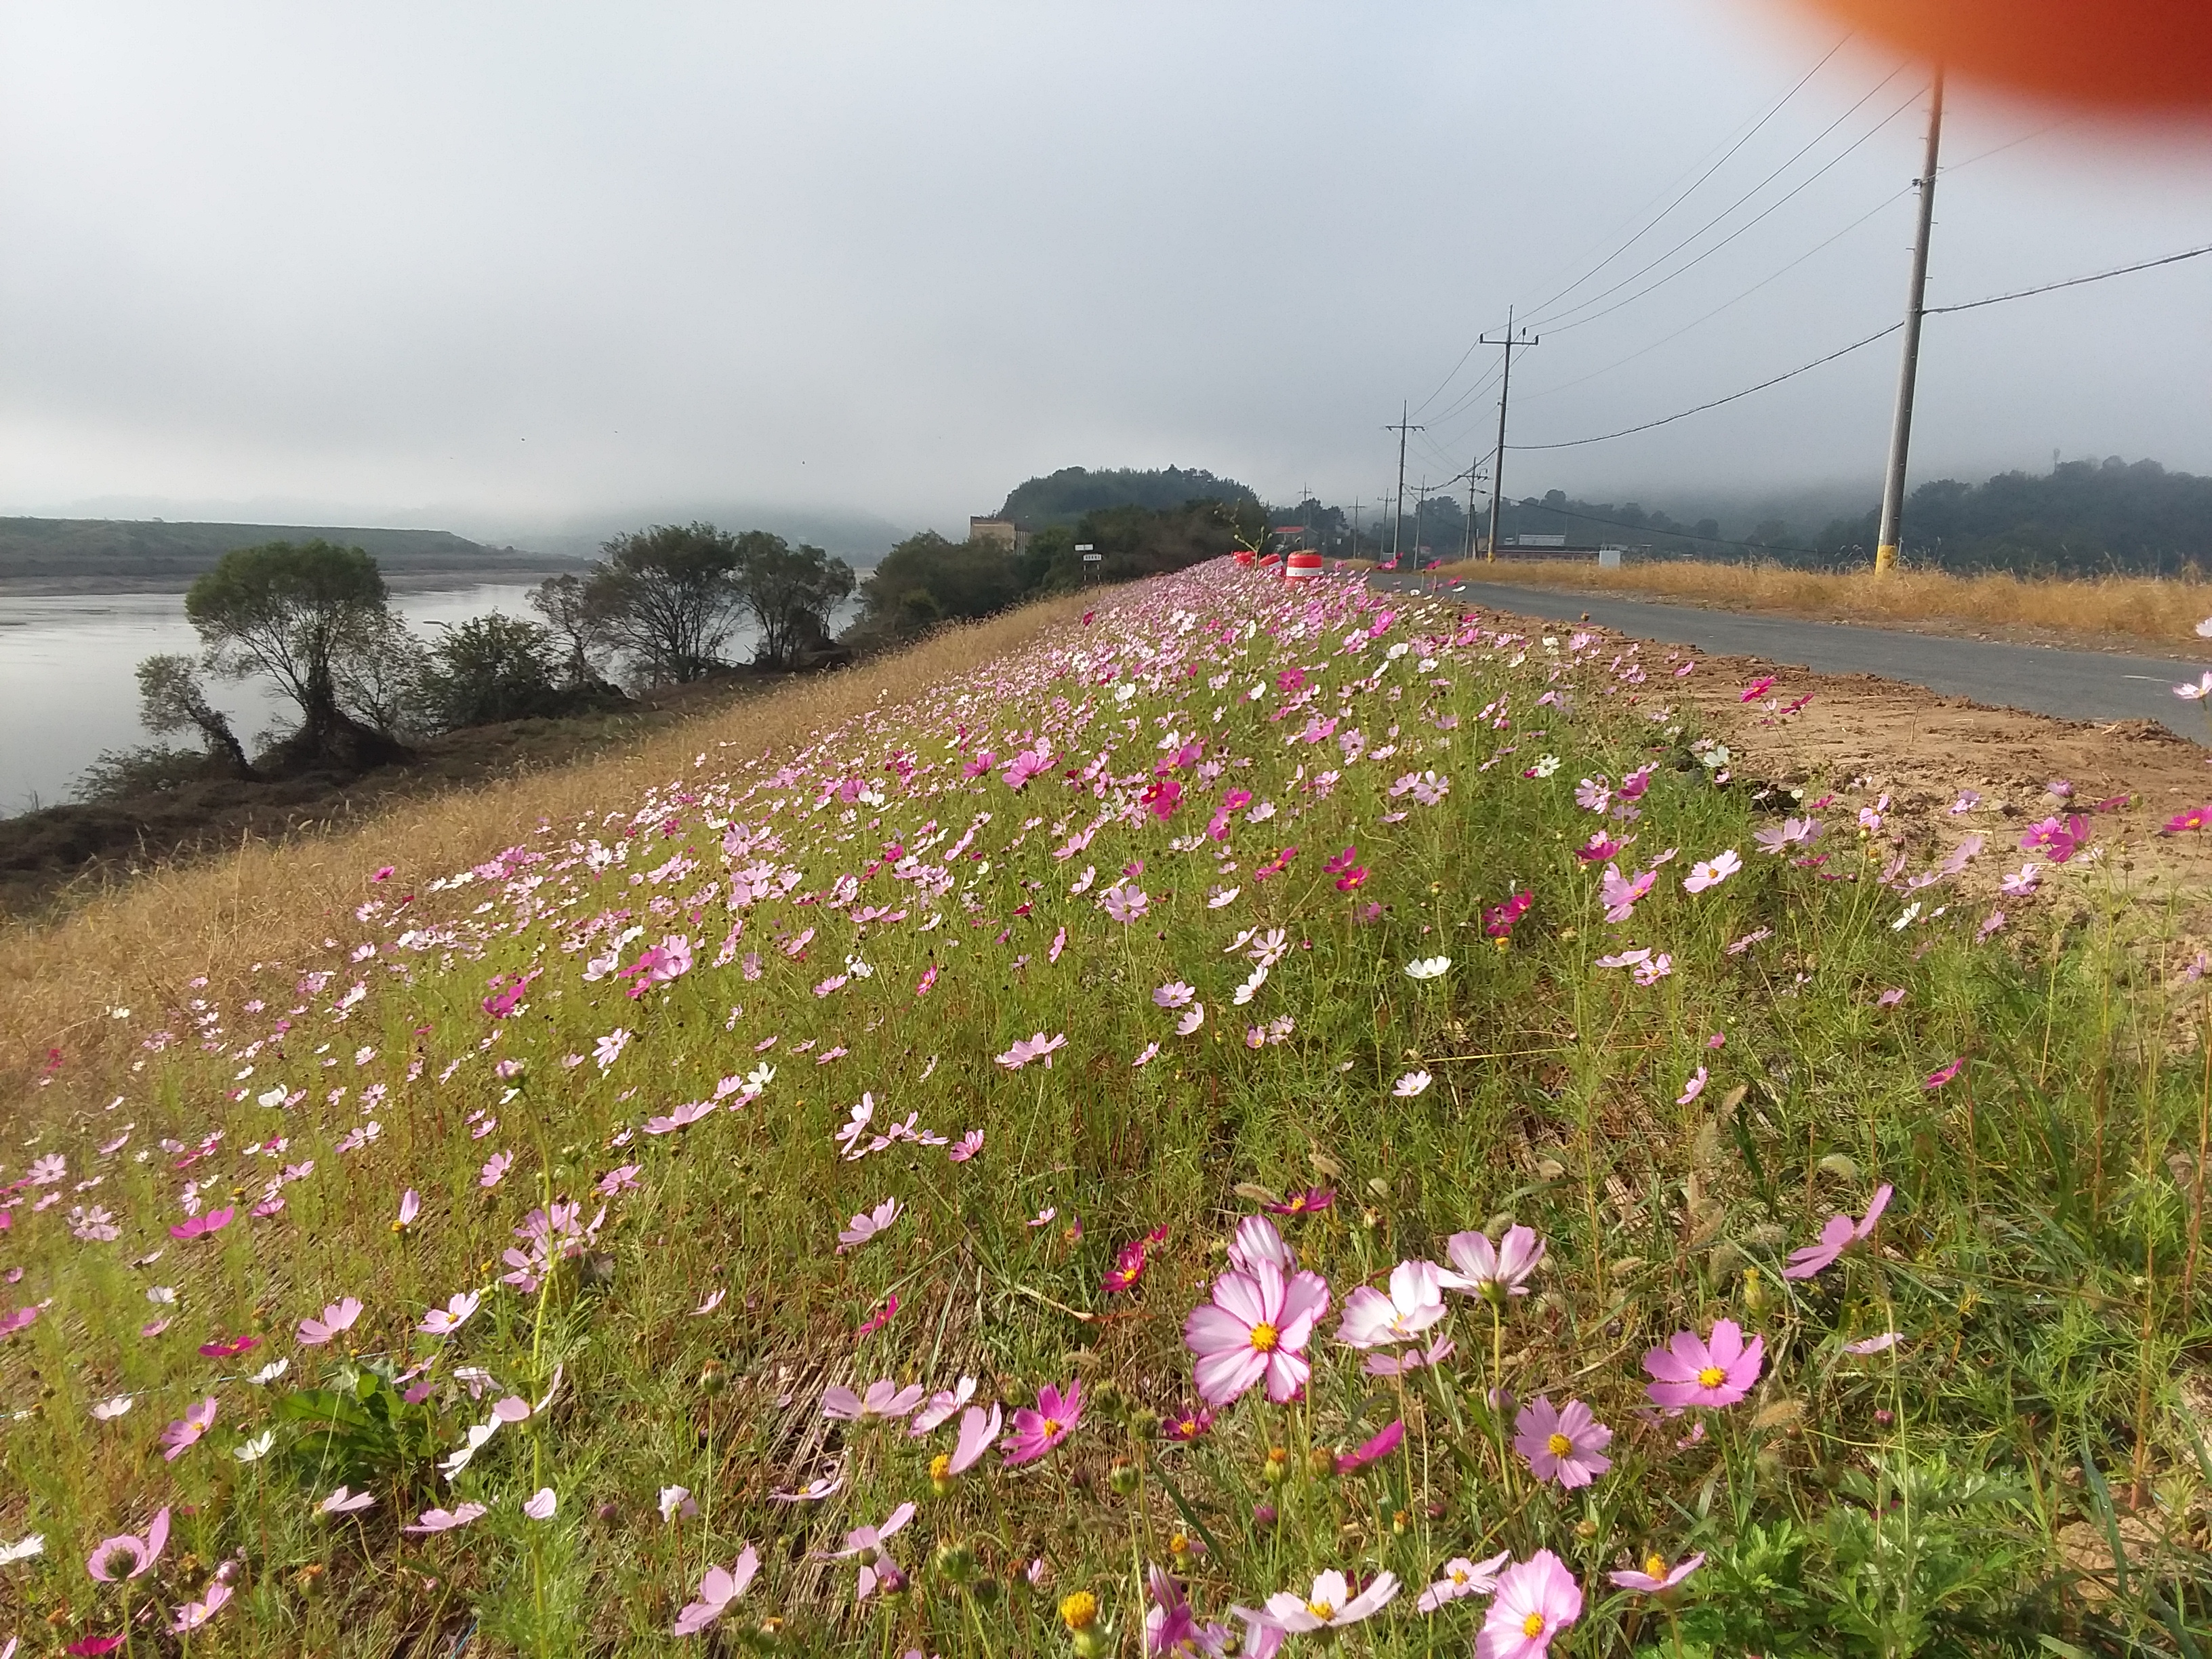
2026 1463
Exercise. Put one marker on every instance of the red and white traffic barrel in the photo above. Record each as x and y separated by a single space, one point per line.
1304 567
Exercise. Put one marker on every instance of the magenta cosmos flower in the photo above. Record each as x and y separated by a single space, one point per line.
1256 1326
1567 1446
1536 1600
1718 1371
181 1436
1037 1432
1492 1272
1837 1235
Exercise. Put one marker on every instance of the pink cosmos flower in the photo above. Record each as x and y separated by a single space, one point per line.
1409 1360
1036 1046
1712 871
1174 994
1567 1446
337 1316
201 1225
345 1501
1331 1605
1536 1600
495 1170
1462 1578
1717 1371
866 1224
542 1504
1492 1272
1125 902
1303 1203
1872 1345
940 1406
1416 1302
871 1538
718 1588
1656 1577
1037 1432
1255 1240
460 1515
884 1399
181 1436
1256 1326
444 1322
411 1206
1692 1088
1837 1235
1942 1074
966 1147
979 1432
192 1614
1620 895
1411 1084
143 1553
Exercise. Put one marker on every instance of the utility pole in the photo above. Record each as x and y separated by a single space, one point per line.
1355 527
1420 512
1901 431
1398 515
1505 391
1473 468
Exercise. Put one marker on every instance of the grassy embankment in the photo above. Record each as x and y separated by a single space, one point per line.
2145 607
2027 1456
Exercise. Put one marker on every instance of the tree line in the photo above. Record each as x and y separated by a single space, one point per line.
660 607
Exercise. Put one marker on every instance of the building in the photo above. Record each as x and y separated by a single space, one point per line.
1001 532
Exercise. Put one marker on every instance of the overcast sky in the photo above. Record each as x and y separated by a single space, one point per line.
511 269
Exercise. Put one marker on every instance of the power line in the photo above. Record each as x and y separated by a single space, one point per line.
1882 334
1772 207
2074 282
1751 132
1740 201
1818 248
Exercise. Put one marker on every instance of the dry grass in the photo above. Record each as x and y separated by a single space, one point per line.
2142 607
138 944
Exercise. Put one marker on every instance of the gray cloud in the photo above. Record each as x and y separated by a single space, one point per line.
534 267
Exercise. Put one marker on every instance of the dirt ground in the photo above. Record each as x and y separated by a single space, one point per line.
1925 750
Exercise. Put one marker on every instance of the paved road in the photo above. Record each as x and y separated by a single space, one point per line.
2071 684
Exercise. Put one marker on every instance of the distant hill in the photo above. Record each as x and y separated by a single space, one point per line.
150 553
1064 496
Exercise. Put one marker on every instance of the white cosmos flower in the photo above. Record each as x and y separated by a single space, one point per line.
1428 967
253 1450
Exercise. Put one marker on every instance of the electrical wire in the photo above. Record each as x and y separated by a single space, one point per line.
1844 351
1649 225
1619 362
1558 321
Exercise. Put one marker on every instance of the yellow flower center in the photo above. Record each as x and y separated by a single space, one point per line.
1458 1575
1711 1377
940 1466
1532 1626
1052 1426
1654 1567
1321 1610
1079 1610
1263 1337
1558 1445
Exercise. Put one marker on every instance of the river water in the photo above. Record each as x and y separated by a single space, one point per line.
69 685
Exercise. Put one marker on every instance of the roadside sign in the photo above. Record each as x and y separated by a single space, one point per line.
1092 558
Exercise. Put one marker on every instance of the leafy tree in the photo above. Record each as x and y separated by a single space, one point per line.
926 579
565 603
379 681
172 699
791 591
1066 495
488 669
306 616
668 596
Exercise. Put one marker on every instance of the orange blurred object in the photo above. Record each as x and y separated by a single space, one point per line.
2113 54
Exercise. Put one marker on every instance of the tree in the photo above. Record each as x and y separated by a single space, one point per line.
172 699
488 669
305 615
565 603
926 579
667 595
791 591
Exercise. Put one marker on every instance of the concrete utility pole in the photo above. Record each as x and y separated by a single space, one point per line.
1505 391
1398 513
1900 429
1474 470
1420 512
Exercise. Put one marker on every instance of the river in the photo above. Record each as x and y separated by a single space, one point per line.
68 686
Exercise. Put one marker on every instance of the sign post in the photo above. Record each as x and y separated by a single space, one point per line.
1090 557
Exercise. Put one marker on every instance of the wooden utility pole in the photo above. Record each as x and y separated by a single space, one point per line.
1900 429
1505 391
